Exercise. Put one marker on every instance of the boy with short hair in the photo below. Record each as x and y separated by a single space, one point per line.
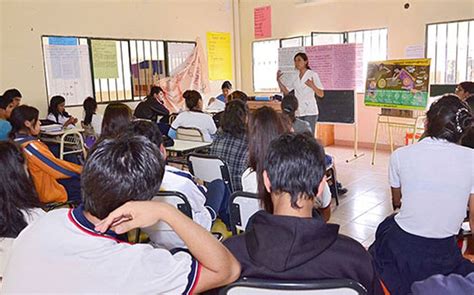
6 108
72 250
289 244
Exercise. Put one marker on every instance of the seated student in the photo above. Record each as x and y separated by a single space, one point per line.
20 203
287 243
432 183
13 94
117 117
465 91
92 122
153 106
236 95
6 107
75 252
57 113
194 117
231 144
55 180
226 89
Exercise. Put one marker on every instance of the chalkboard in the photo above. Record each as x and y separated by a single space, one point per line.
440 89
337 107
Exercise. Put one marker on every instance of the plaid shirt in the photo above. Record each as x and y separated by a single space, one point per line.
234 152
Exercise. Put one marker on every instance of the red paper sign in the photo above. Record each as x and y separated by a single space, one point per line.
262 17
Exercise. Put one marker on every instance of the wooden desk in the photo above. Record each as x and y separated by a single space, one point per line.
254 104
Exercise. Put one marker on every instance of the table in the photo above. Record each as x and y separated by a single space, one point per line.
185 146
55 136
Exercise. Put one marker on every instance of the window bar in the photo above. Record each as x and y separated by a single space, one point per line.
88 40
436 55
457 48
467 51
132 91
151 64
138 65
108 87
158 59
146 70
123 71
446 55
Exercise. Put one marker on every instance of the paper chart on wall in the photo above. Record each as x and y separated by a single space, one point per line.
68 72
286 64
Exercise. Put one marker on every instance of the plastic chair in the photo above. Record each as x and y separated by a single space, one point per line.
75 143
273 287
209 168
242 206
190 134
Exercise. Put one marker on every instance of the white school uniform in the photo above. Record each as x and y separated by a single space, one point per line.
96 123
307 105
177 180
61 119
198 120
436 178
61 253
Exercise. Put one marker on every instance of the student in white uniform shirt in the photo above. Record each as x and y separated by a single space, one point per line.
79 251
305 86
92 120
194 117
433 184
20 203
57 112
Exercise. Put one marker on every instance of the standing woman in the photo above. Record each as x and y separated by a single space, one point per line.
305 87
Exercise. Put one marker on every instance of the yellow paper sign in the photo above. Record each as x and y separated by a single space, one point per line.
104 59
219 56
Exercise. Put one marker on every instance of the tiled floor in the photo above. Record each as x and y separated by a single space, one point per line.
368 201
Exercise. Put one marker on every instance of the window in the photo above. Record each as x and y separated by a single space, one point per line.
327 38
374 48
451 49
291 42
265 65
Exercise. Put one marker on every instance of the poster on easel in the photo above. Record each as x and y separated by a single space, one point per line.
398 84
286 65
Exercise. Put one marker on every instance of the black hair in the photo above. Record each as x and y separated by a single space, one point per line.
448 118
118 170
192 98
147 129
12 93
90 107
304 57
19 116
467 86
234 118
117 116
295 165
237 94
155 90
226 85
5 101
289 106
17 192
53 107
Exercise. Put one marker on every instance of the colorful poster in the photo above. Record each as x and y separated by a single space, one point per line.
398 84
286 64
262 17
63 41
104 59
219 56
191 74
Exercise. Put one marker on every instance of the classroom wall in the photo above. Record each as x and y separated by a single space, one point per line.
23 23
405 27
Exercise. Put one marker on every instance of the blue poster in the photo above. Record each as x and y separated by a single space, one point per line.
63 41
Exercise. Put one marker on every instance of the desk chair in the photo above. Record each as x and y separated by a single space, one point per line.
73 139
242 206
209 168
189 133
315 287
332 181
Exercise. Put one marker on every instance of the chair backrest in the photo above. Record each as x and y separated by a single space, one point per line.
242 206
175 199
189 133
316 287
72 139
209 168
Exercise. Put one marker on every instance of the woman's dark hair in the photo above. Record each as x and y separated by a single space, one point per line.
237 94
289 106
90 107
192 98
5 101
20 115
17 192
117 117
12 93
226 85
304 57
119 170
234 118
295 164
53 106
146 128
265 125
448 118
155 90
467 86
